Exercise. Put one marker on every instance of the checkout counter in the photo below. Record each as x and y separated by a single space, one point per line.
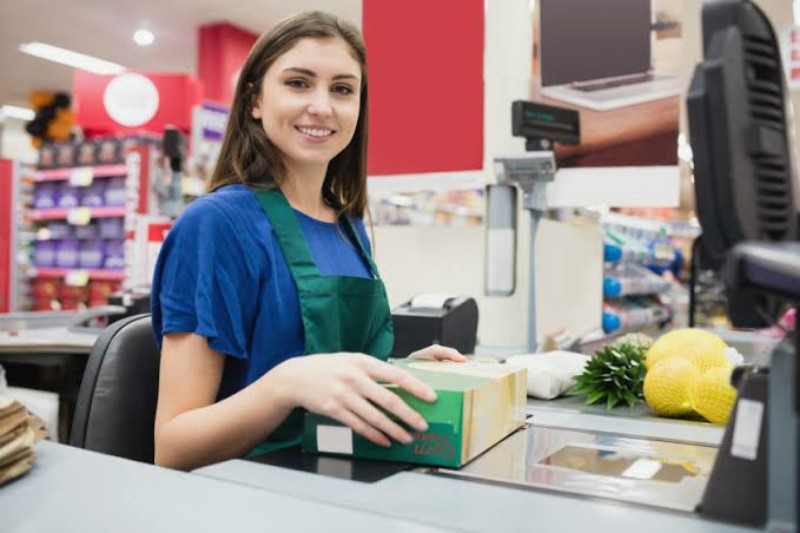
512 487
77 490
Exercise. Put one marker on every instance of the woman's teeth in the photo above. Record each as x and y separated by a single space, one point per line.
315 132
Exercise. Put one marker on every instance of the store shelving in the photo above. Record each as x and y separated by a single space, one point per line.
633 294
77 173
74 256
105 274
75 213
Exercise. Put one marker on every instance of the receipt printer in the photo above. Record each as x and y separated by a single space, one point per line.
432 319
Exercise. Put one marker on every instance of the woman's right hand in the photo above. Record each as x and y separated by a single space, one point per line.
344 387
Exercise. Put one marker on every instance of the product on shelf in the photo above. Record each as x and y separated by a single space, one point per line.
67 253
85 153
65 154
91 254
47 156
111 228
46 304
73 298
68 196
109 151
100 290
649 251
60 230
94 195
627 279
45 195
45 288
44 254
115 192
632 313
115 254
89 231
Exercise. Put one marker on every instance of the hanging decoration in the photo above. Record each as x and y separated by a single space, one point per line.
54 117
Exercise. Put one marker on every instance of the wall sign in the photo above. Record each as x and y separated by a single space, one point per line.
131 100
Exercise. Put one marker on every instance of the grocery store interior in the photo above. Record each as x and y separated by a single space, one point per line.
442 265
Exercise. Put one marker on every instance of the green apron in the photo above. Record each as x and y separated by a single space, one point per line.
339 313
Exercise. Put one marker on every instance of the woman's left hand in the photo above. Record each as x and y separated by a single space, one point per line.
435 352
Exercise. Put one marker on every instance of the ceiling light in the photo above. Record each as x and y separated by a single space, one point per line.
143 37
70 58
21 113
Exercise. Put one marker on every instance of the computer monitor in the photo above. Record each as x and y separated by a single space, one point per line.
744 171
605 39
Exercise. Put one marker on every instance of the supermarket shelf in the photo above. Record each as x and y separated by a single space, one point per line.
64 214
61 174
96 274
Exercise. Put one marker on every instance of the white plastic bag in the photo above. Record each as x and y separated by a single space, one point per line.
550 374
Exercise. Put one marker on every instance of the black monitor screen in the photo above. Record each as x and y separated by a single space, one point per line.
593 39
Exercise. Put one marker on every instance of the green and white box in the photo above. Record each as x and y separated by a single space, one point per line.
478 404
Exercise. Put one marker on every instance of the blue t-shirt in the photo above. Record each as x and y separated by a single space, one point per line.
221 274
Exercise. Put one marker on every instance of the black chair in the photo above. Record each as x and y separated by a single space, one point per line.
116 407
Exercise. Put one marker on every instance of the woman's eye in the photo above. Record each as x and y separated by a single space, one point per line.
343 89
297 83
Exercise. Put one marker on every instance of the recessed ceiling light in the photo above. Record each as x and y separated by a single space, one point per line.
21 113
143 37
70 58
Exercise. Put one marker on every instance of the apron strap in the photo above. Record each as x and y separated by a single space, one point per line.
290 235
364 255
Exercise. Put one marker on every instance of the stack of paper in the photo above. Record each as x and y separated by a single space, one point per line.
18 433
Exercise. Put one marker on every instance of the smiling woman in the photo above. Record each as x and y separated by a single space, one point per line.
275 264
310 112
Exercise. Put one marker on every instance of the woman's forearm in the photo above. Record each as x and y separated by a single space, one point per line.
226 429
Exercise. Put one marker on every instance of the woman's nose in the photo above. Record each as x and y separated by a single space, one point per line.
320 104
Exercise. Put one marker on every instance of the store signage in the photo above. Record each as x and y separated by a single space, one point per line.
214 119
131 99
134 102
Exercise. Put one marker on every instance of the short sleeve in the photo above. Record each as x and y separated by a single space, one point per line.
203 282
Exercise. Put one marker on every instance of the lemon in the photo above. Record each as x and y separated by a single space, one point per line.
705 350
668 386
713 396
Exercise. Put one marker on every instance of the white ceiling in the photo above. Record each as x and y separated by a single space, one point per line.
104 28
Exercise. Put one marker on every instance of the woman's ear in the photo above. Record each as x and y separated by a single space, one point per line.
255 103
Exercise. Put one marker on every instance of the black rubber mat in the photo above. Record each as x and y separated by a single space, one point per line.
363 470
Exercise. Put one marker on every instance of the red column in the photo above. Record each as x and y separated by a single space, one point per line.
6 212
426 85
221 51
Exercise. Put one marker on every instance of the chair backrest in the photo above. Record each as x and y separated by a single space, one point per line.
116 407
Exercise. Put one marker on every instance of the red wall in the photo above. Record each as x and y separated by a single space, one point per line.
221 51
425 61
6 188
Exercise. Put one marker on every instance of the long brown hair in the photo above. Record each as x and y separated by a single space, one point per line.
248 156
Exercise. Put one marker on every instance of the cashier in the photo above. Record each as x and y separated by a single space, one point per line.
275 264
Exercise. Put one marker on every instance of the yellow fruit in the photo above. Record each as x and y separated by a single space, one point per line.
668 386
713 396
705 350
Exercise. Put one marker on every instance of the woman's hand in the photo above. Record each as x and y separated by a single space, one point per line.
434 352
344 387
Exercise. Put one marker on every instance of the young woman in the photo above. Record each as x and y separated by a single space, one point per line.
275 264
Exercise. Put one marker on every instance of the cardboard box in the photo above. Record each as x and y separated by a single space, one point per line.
478 404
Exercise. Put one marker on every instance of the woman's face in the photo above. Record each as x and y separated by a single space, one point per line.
309 101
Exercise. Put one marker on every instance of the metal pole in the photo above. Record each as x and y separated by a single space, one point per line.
535 216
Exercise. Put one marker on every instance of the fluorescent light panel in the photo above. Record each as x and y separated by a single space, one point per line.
70 58
21 113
